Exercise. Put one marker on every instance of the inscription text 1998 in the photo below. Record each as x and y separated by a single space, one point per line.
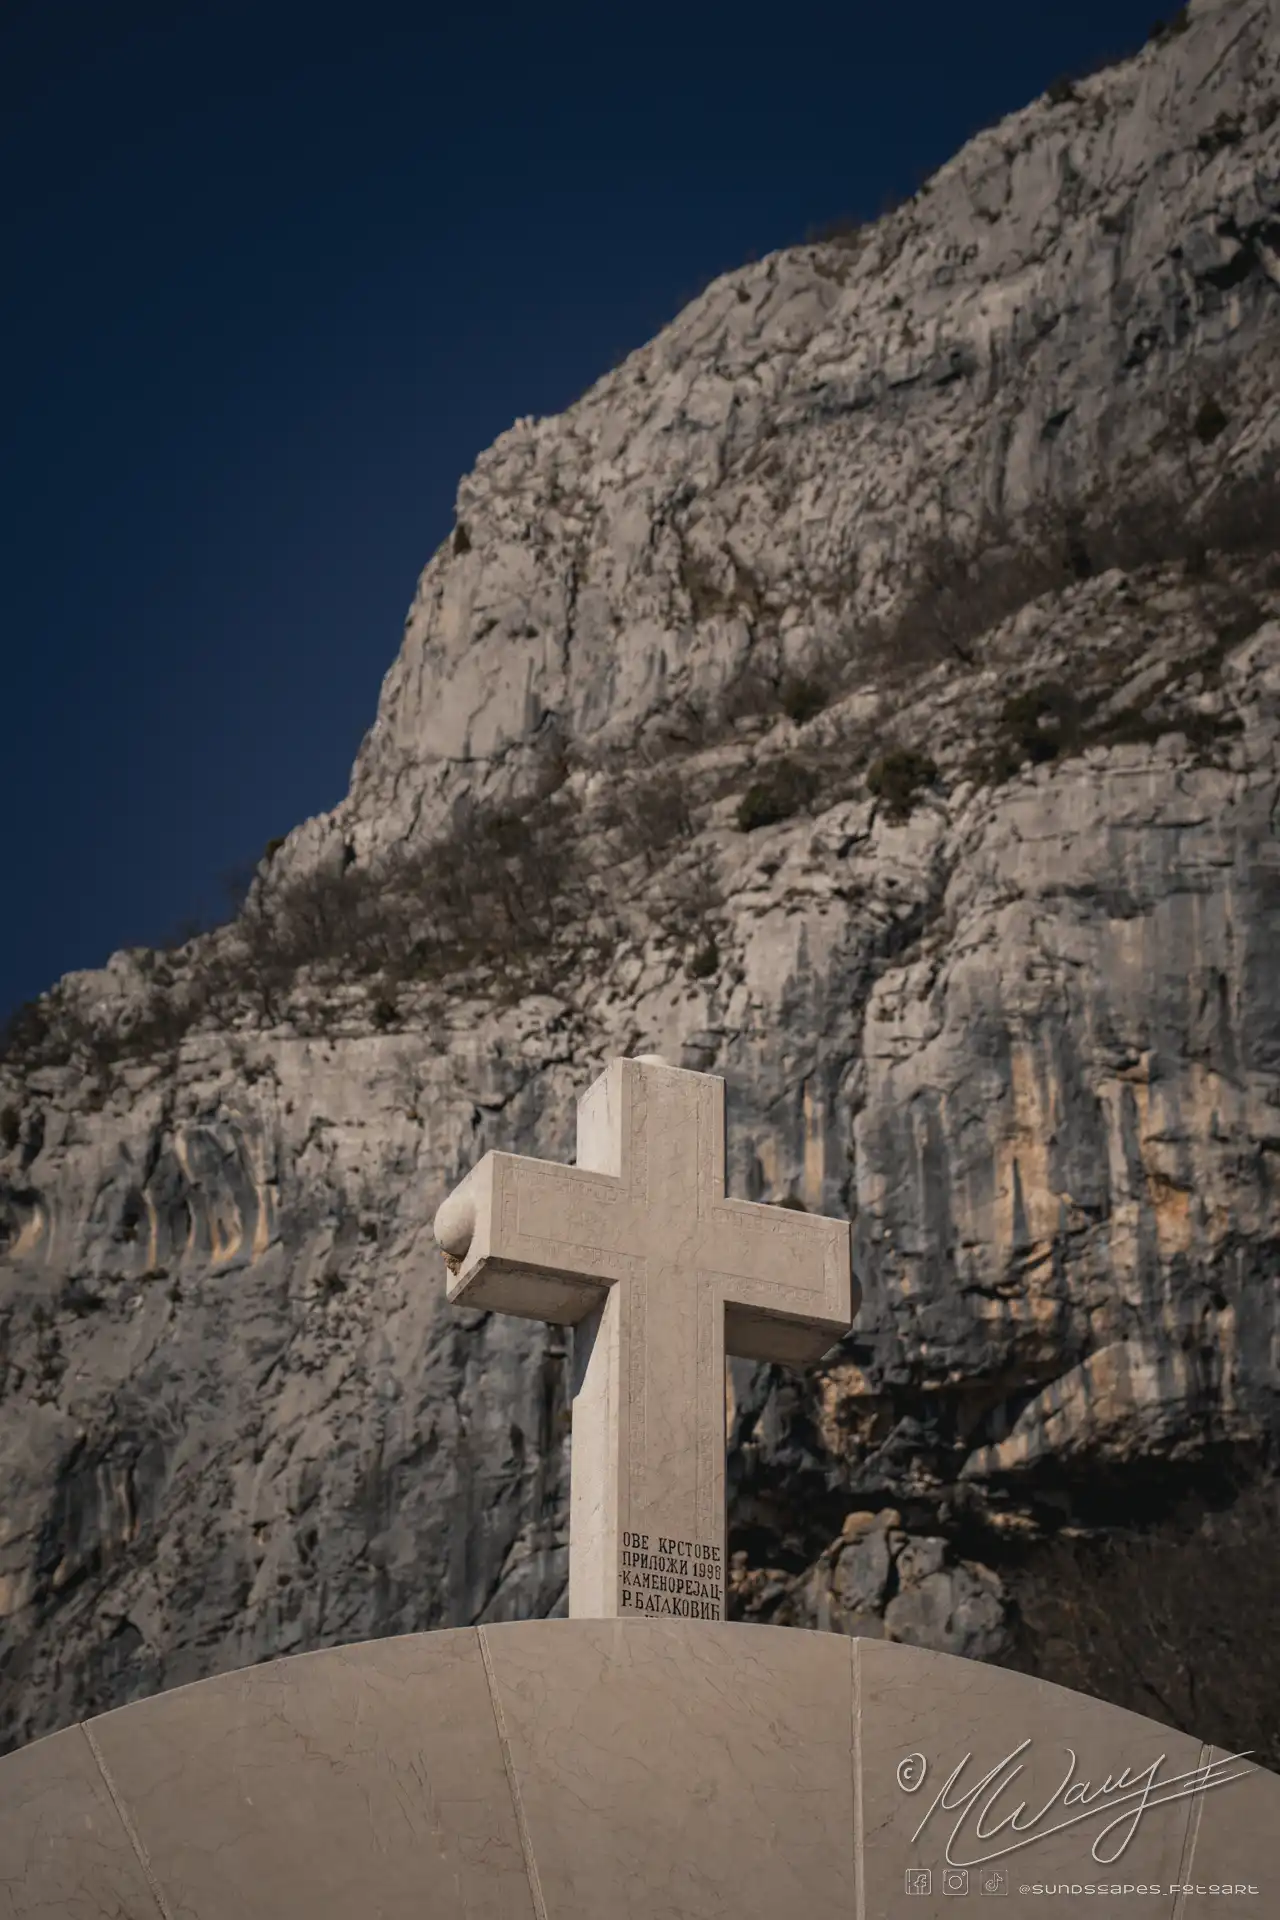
661 1573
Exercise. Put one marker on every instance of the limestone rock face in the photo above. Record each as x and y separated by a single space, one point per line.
756 481
879 1583
899 636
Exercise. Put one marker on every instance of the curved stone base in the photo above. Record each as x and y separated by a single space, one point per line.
624 1770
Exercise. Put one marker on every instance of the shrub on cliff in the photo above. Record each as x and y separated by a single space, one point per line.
25 1030
1049 721
899 778
784 789
498 891
648 816
1037 725
1163 30
758 694
704 962
960 589
847 231
803 697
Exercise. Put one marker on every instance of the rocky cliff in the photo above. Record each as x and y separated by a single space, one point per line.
869 691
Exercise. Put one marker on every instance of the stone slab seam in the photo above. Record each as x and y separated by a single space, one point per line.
135 1841
1191 1834
855 1756
522 1825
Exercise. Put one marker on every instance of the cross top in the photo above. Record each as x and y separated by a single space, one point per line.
638 1248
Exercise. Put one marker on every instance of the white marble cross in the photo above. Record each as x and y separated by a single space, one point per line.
639 1250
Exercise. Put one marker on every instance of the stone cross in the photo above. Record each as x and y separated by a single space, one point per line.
638 1249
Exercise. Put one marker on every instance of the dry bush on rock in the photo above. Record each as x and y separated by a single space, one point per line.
782 790
704 962
899 778
961 588
503 888
847 231
499 888
649 816
512 891
803 697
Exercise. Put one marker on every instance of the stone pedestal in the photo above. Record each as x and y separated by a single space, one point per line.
625 1770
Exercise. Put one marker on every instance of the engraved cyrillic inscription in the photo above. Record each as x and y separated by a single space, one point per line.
660 1573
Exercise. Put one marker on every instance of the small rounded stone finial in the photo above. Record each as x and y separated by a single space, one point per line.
455 1226
650 1060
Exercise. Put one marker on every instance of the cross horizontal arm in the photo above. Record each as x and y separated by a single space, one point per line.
535 1239
785 1280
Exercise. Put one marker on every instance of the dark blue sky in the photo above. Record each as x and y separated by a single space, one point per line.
275 274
